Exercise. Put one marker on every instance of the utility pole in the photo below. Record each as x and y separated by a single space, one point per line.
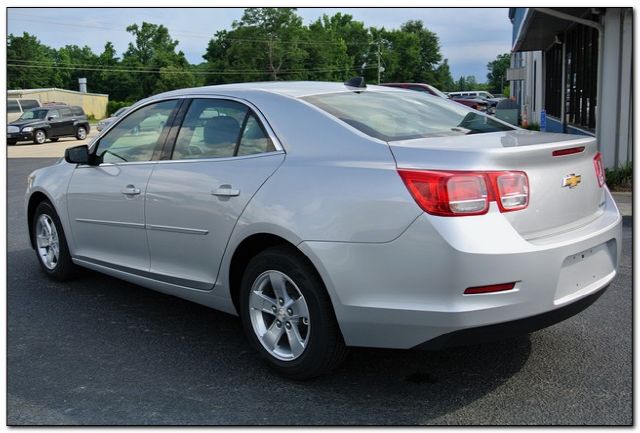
379 62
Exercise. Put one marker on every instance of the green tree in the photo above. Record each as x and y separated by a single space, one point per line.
153 50
29 63
497 75
443 79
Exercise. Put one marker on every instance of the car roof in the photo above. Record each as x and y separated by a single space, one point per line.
295 89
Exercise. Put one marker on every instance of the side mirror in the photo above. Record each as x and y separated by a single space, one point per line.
77 155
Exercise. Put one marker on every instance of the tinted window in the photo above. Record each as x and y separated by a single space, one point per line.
391 116
28 104
254 140
211 129
12 106
65 112
53 113
77 111
136 137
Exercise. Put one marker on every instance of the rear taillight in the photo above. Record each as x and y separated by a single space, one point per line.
489 289
463 193
512 188
597 163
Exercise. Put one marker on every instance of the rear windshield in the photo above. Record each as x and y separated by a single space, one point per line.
392 116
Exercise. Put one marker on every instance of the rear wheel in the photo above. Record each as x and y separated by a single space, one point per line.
81 133
39 136
287 315
51 245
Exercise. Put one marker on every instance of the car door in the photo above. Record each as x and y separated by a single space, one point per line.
65 122
55 123
105 201
223 153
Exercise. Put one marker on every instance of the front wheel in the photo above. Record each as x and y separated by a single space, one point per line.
50 243
287 315
39 136
81 133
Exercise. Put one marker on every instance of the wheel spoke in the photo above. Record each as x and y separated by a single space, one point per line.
47 225
299 307
272 336
43 241
278 284
261 302
296 342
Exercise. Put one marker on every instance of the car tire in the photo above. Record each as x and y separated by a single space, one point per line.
39 136
54 139
81 133
293 345
50 243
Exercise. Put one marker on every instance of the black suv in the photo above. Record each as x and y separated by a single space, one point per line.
52 122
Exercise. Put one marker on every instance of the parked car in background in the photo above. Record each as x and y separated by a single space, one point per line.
473 102
329 215
49 122
16 106
106 122
478 104
481 94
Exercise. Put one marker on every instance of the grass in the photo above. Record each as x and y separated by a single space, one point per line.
620 178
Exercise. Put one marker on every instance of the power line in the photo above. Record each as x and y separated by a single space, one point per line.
156 71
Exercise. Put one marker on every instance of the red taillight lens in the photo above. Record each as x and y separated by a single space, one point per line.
512 189
597 163
489 289
447 193
460 193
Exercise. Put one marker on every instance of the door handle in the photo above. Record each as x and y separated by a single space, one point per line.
226 191
130 190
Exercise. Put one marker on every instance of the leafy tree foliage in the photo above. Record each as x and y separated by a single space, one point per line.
497 75
264 44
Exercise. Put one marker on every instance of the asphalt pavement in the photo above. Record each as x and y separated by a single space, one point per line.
98 350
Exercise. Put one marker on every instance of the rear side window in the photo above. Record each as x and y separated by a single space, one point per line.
28 104
218 128
392 116
65 112
12 106
77 111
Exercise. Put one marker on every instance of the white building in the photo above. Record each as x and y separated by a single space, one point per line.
576 65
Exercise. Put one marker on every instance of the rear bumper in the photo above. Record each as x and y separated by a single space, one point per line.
409 291
510 329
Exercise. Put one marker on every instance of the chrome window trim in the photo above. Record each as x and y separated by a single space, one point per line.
225 158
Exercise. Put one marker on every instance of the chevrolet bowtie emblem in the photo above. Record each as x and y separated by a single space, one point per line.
571 180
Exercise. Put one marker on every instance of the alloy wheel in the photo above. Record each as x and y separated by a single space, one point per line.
47 241
279 315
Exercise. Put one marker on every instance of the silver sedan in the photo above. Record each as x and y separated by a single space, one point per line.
329 215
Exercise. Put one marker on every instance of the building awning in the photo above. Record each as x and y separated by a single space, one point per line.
538 30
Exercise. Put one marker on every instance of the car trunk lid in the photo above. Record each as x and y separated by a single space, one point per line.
564 190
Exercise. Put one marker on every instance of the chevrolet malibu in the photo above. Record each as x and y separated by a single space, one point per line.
329 215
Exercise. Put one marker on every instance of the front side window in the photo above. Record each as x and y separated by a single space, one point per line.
53 114
137 136
392 116
216 128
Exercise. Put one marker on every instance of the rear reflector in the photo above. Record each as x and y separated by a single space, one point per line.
600 174
489 289
569 151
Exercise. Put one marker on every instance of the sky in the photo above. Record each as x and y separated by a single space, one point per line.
469 37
